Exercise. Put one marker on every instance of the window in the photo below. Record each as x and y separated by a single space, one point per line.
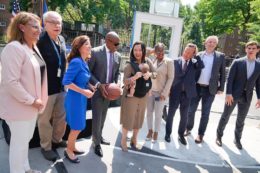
2 6
2 24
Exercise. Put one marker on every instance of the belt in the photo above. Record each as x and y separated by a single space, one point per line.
202 85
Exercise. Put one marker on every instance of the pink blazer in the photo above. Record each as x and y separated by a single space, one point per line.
20 83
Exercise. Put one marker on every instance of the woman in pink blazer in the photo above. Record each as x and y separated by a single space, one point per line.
23 88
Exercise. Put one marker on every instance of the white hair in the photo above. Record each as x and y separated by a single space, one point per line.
51 13
212 37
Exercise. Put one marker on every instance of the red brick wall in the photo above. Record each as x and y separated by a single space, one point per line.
5 16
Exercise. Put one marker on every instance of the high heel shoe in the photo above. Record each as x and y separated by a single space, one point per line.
76 160
133 143
124 148
78 152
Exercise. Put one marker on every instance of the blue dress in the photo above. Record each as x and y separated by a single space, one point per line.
76 103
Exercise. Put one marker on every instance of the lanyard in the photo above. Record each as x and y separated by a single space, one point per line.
57 52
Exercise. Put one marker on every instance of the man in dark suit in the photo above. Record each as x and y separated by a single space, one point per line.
104 66
243 76
183 89
211 81
51 122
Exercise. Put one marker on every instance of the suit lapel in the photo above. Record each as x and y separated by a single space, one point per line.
244 67
215 59
36 66
256 70
104 54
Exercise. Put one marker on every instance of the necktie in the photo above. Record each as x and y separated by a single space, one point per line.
184 68
110 70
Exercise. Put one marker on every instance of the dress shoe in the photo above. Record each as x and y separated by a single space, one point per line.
62 144
104 142
155 137
76 160
149 135
49 154
98 150
78 152
219 141
199 139
182 140
187 132
238 144
167 138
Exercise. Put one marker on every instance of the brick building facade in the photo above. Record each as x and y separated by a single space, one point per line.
5 16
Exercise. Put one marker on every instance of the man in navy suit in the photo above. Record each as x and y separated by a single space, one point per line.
211 81
243 76
183 89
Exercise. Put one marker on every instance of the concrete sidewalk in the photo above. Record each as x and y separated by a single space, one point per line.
161 156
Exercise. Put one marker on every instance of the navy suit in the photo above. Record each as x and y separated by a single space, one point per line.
182 90
207 93
241 89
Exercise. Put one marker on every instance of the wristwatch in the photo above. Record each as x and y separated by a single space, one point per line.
97 85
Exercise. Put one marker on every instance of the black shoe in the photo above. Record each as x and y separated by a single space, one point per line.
62 144
182 140
104 142
187 132
78 152
49 155
219 141
98 150
199 139
238 144
167 138
76 160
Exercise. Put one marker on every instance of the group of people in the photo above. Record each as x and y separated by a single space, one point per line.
40 84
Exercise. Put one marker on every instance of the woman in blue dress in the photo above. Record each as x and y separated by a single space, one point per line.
76 81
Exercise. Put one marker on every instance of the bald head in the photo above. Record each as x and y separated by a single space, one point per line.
112 41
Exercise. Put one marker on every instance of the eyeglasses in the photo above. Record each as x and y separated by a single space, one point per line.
115 44
54 22
159 52
35 26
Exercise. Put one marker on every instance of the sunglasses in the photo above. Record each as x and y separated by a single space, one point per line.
115 44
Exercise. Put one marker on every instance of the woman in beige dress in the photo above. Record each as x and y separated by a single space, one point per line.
133 108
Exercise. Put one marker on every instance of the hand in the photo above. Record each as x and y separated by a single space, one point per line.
103 90
162 97
88 93
38 104
138 75
146 75
92 87
257 105
229 100
220 92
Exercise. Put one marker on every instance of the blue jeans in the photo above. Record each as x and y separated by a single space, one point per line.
207 100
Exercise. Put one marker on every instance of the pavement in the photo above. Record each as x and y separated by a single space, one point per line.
160 156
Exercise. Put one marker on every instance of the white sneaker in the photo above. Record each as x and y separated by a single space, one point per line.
33 171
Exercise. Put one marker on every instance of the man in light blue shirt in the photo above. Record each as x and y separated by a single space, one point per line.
211 80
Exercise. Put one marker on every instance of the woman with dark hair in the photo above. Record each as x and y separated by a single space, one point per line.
133 108
76 81
23 88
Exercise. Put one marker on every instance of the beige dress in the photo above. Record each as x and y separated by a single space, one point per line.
133 108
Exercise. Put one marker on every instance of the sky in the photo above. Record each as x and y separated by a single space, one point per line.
189 2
